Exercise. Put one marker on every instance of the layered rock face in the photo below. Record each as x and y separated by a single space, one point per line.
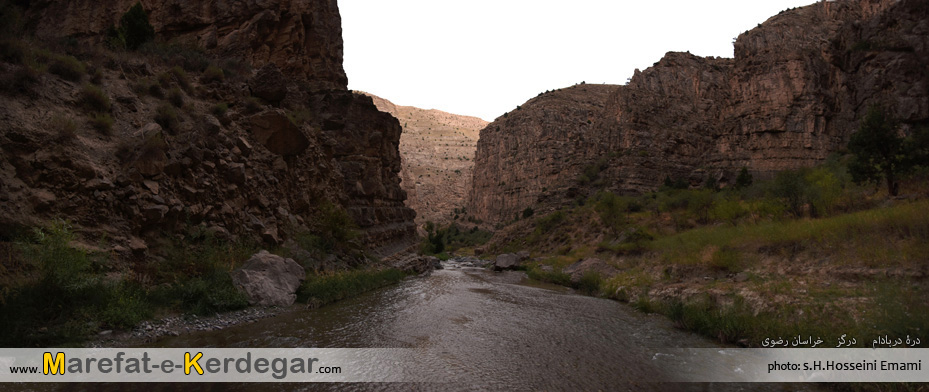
302 37
260 171
437 150
536 153
791 96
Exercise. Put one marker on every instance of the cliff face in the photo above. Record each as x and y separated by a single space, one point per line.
263 170
537 152
302 37
791 96
437 151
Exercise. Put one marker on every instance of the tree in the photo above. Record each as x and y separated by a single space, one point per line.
877 149
744 180
134 29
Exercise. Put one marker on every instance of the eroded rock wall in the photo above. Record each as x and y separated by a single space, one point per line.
302 37
792 96
260 171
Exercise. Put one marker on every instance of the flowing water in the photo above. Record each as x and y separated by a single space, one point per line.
483 330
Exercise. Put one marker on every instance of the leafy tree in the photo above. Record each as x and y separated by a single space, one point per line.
877 149
744 180
916 148
792 187
134 29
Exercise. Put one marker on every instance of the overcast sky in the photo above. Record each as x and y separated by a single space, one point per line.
484 57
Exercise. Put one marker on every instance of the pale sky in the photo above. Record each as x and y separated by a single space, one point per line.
483 57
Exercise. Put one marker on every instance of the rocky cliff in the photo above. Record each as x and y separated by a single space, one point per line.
437 150
302 37
791 96
536 153
254 155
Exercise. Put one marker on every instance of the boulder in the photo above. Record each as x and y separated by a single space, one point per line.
434 262
522 255
269 280
415 264
274 130
269 84
506 261
578 269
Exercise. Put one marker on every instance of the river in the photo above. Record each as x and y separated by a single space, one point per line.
487 331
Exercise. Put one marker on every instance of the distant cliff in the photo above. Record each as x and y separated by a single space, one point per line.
791 96
256 155
437 150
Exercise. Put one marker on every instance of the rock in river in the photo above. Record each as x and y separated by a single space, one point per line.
506 261
269 280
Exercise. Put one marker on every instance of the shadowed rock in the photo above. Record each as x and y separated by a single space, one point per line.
274 130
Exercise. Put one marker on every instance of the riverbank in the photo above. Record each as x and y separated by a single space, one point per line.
317 291
57 292
861 275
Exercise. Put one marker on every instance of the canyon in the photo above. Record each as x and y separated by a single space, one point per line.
437 154
789 98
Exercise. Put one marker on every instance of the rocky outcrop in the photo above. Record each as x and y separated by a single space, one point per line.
791 96
269 280
301 37
591 266
437 153
259 171
537 153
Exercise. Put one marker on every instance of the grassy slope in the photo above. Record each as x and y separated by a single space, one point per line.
860 273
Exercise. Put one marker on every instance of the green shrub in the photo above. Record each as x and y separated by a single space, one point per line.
63 127
589 284
219 110
549 222
176 97
67 67
206 295
323 289
213 74
96 75
611 210
555 277
180 76
528 212
300 117
166 116
591 173
791 187
94 99
147 86
102 122
728 210
125 304
744 180
700 203
176 75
